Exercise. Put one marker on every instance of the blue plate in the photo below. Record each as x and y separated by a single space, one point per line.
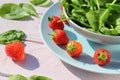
85 61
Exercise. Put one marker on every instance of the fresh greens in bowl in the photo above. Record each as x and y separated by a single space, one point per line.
99 16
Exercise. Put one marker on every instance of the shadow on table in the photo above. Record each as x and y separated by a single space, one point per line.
29 63
86 75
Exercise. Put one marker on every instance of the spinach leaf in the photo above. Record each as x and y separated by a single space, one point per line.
41 3
36 2
6 8
17 77
36 77
103 18
118 25
12 11
29 9
17 12
12 36
93 20
92 5
33 77
114 7
79 14
108 31
76 2
118 29
112 20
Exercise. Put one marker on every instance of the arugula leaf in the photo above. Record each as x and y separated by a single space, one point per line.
36 77
12 36
17 77
17 12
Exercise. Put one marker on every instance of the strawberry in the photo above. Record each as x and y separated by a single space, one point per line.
55 23
15 50
60 37
102 56
74 48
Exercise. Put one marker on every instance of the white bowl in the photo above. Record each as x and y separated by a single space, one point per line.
92 36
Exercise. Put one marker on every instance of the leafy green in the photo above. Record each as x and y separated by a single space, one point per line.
34 77
41 3
12 36
93 19
100 16
36 2
21 11
103 18
29 9
17 77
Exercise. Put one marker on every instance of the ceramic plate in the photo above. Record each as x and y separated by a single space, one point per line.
85 61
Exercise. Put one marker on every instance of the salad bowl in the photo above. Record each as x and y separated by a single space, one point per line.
106 36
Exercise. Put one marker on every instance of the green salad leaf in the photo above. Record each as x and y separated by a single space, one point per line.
93 19
17 77
100 16
41 3
20 11
29 9
12 36
33 77
36 77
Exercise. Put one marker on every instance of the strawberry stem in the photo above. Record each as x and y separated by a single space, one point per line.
50 18
102 56
64 19
71 47
52 35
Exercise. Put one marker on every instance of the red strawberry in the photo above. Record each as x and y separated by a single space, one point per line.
102 56
15 50
74 48
60 37
54 23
